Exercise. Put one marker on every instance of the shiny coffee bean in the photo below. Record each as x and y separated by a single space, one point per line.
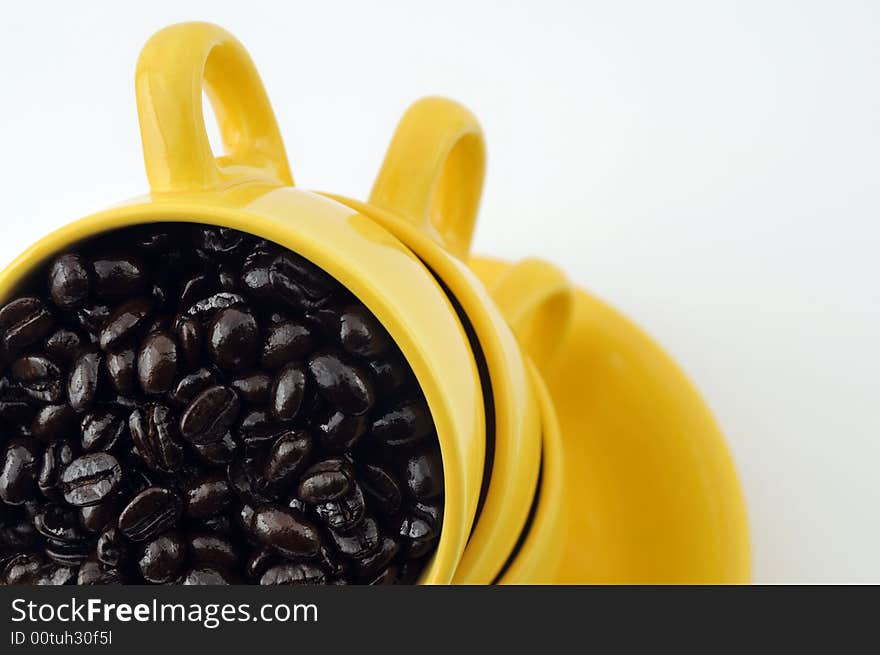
111 549
212 551
360 542
287 458
23 322
63 345
379 559
95 518
259 562
340 432
57 456
92 572
126 321
39 377
52 422
155 435
325 481
209 415
381 487
82 382
102 430
189 338
343 383
420 529
293 573
286 342
287 531
161 559
60 524
92 318
360 333
157 363
195 288
205 576
255 274
253 388
19 472
118 277
299 282
69 281
233 339
151 512
222 241
403 424
288 391
206 496
121 366
344 513
424 474
91 478
191 385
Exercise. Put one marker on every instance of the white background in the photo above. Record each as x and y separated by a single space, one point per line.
711 170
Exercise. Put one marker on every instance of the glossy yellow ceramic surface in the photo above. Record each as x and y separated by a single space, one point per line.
249 190
650 491
426 194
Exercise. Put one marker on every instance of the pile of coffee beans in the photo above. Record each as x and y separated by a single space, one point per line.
189 404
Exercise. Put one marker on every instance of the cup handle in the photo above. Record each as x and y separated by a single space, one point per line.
173 69
433 172
536 299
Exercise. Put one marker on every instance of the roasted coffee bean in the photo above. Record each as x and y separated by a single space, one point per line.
126 322
118 277
325 323
96 518
19 472
92 318
344 513
233 339
204 576
157 363
392 375
288 392
155 436
424 474
381 487
210 414
360 542
91 478
102 430
52 422
222 241
361 334
287 531
206 496
299 281
327 480
340 432
23 322
121 368
111 549
241 483
60 524
63 345
206 308
151 512
253 388
39 377
92 572
293 573
286 342
218 453
419 529
343 383
380 558
189 337
190 386
57 456
287 458
255 273
213 551
69 281
82 382
196 287
258 426
161 559
404 424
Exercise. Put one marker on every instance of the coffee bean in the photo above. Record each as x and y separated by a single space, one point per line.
253 388
392 376
286 342
121 366
95 518
69 281
344 513
205 309
218 453
39 377
370 565
207 496
218 240
419 529
339 432
161 559
63 345
293 573
287 458
360 542
18 475
255 273
204 576
52 422
23 322
155 436
343 383
60 524
361 334
213 551
92 318
286 530
118 277
189 336
92 572
381 487
424 474
82 383
157 363
91 478
111 549
57 456
259 562
125 322
328 480
102 430
31 569
152 511
210 414
196 287
233 339
191 385
404 424
299 281
288 392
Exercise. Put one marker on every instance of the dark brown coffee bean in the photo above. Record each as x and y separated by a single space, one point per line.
218 453
189 336
212 551
190 386
293 573
39 377
253 388
82 382
420 529
111 549
286 342
255 273
404 424
19 472
286 530
23 322
57 456
155 436
360 333
288 392
327 480
151 512
424 474
344 513
52 422
360 542
205 576
121 368
91 478
343 383
161 559
206 496
299 281
287 458
381 487
157 363
126 321
209 415
63 345
340 432
69 281
233 339
118 277
102 430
